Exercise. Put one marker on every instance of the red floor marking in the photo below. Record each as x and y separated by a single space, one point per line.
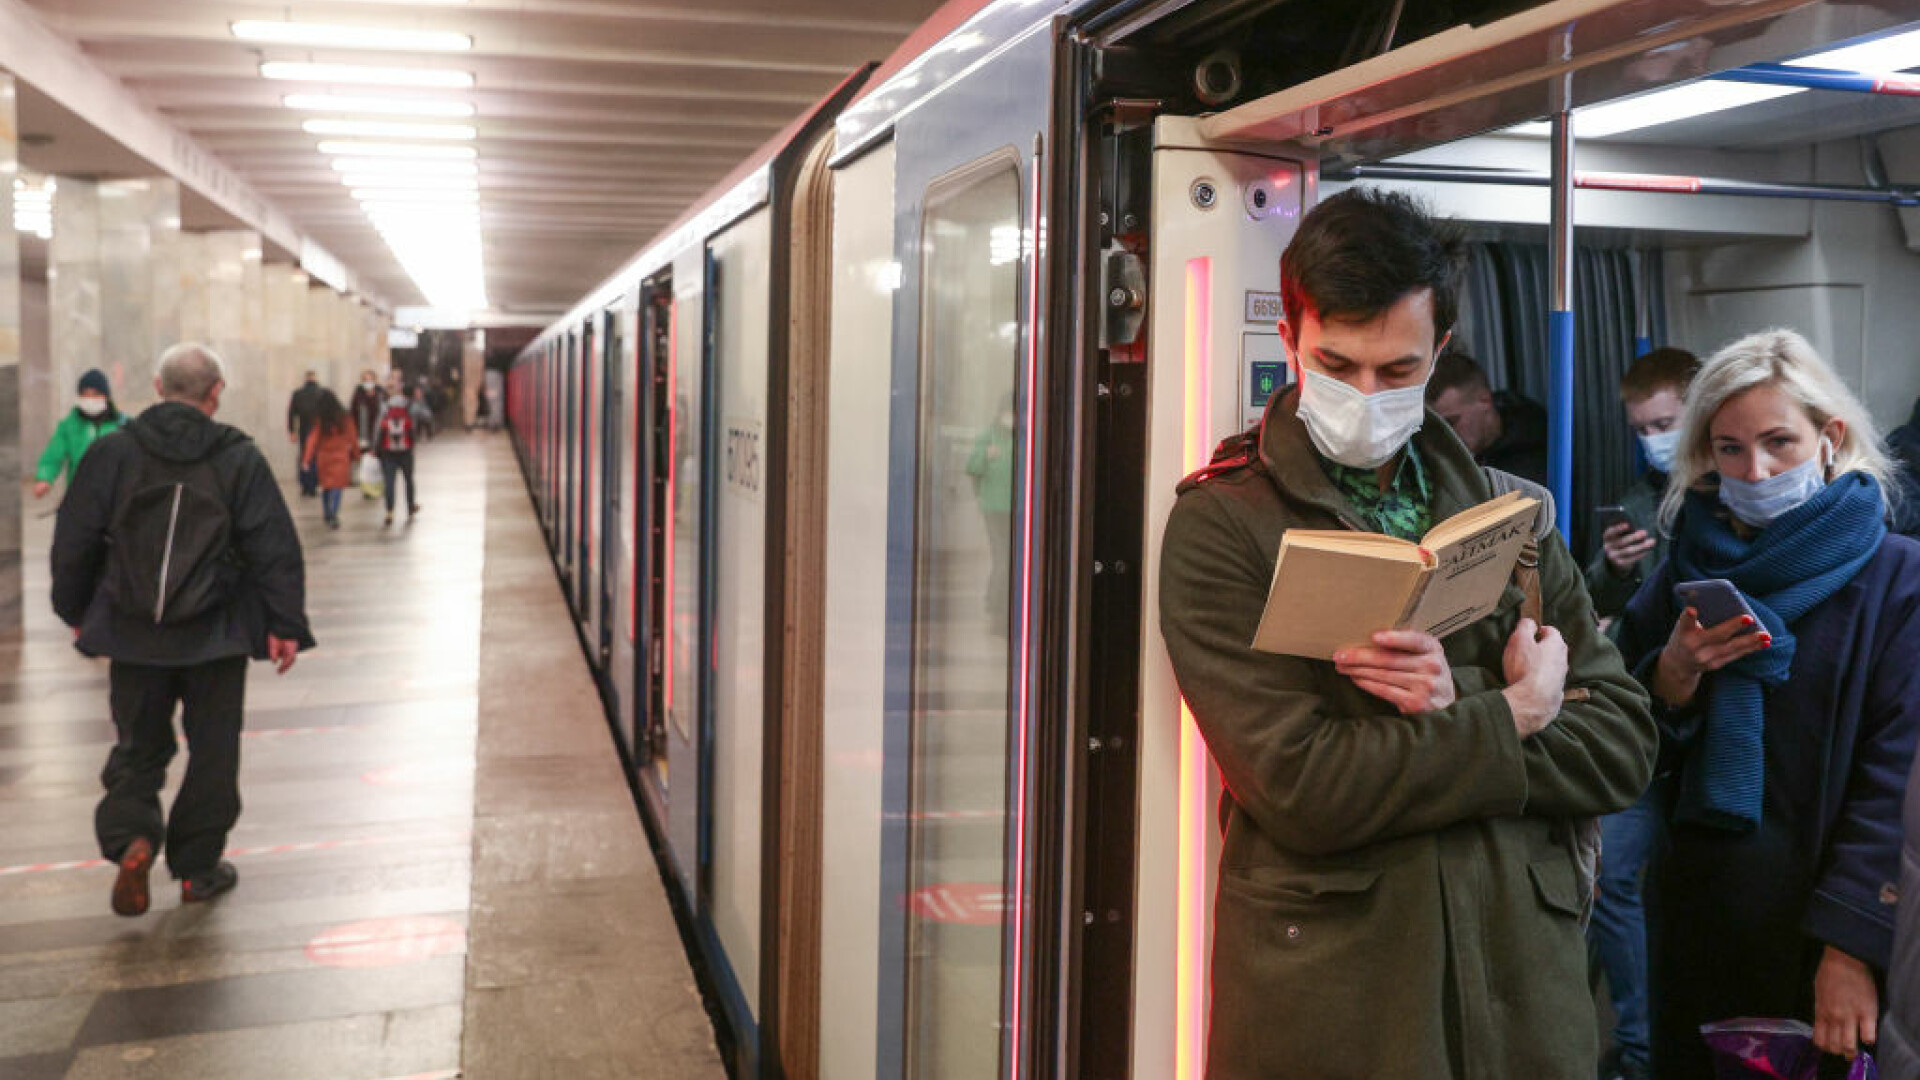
265 849
969 903
387 942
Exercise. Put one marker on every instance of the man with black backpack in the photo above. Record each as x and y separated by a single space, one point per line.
174 556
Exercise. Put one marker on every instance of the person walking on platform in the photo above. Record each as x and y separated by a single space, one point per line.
301 410
368 402
393 441
92 416
330 452
175 557
422 415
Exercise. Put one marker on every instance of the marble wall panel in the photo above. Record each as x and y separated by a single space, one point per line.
10 449
76 305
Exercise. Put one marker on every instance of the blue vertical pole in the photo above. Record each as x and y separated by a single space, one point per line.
1560 329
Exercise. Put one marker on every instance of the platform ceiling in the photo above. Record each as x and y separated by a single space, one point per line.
598 120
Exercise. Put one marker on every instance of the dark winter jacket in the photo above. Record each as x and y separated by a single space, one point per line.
270 594
1904 441
1397 898
303 408
1742 918
1898 1051
366 407
1521 448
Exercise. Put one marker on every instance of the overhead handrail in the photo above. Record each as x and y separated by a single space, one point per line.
1660 183
1808 78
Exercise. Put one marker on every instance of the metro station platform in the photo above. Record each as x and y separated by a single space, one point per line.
442 872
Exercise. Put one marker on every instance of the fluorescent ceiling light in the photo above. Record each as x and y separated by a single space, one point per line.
366 166
387 129
1896 52
356 73
325 35
429 196
397 150
401 181
378 106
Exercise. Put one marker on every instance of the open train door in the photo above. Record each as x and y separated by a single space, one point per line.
1218 220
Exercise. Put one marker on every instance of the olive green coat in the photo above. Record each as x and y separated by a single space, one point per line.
1396 897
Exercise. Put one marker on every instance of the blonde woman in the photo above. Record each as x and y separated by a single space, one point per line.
1787 731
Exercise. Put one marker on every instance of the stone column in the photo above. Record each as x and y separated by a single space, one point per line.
235 318
74 303
10 449
113 288
473 372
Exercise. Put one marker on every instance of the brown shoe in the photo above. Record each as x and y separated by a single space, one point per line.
130 894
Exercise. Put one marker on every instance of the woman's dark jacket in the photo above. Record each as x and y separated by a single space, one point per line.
270 595
1739 920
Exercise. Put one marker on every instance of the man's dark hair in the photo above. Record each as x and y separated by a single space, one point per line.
1455 370
1356 254
1665 368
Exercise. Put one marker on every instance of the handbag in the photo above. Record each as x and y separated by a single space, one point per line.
371 480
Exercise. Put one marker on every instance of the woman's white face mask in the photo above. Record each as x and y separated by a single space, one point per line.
1361 431
1760 502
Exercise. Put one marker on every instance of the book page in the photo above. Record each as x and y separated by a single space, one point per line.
1471 571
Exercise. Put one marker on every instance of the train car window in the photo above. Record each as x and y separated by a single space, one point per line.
970 336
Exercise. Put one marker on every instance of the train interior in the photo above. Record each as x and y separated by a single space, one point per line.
855 477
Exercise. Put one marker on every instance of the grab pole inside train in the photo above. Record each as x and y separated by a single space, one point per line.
1560 327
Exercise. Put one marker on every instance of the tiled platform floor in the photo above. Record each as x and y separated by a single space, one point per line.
400 914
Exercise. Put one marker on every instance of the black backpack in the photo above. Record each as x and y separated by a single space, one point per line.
172 557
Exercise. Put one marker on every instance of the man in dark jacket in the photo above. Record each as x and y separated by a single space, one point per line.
1399 893
200 661
1904 441
302 410
1501 429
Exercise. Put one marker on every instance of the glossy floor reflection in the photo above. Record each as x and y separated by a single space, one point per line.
343 954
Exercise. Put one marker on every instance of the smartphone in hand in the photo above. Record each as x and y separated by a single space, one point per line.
1717 600
1606 517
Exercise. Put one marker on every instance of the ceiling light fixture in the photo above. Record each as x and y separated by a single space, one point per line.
431 197
441 78
1896 52
401 181
326 35
387 129
378 106
402 167
333 148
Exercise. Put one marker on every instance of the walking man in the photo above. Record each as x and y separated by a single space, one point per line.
301 410
175 557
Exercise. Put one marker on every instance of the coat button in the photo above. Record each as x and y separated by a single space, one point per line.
1293 931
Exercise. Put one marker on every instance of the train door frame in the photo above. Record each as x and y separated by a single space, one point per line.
989 118
569 460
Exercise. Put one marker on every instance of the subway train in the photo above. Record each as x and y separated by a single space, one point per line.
854 477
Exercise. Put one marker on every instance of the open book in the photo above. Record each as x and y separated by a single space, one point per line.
1336 587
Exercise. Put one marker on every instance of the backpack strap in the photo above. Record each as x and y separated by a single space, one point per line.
1526 570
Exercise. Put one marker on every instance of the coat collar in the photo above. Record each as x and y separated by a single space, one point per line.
1288 453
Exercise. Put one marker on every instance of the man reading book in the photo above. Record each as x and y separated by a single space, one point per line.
1399 896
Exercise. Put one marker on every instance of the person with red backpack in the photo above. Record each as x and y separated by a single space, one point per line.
393 442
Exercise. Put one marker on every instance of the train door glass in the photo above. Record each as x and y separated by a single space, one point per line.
586 496
569 450
657 493
612 558
970 339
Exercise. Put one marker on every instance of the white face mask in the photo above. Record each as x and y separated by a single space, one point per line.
1760 502
93 406
1360 431
1660 448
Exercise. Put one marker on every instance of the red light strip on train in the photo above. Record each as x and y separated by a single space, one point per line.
1609 181
1189 1025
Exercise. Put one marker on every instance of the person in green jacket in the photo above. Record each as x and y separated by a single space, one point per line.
1400 894
991 468
93 415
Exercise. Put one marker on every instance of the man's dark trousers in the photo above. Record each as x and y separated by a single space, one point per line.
212 696
309 474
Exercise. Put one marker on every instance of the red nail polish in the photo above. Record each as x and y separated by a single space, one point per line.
1746 620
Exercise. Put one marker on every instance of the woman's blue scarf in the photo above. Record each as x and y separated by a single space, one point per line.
1786 570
